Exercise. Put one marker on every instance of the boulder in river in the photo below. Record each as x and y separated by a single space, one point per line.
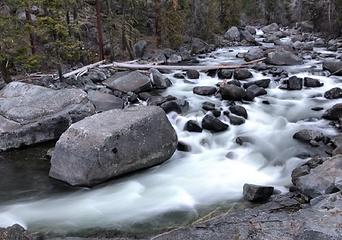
309 136
233 34
255 193
225 74
333 93
213 124
242 74
132 82
234 120
205 90
334 67
32 114
239 110
253 92
254 54
159 81
111 144
283 58
104 102
312 83
192 74
192 126
232 92
178 106
334 113
264 83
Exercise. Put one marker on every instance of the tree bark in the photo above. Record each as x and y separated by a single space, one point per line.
157 21
99 29
31 33
5 72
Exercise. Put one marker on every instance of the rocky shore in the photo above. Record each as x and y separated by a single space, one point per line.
109 123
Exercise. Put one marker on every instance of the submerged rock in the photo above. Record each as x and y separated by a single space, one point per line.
255 193
111 144
132 82
32 114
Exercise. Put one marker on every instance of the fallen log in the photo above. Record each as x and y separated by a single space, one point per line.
82 69
133 66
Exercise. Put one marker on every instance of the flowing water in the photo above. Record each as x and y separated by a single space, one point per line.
189 182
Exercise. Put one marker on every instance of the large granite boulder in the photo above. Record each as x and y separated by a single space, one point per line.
104 101
270 28
283 58
318 176
132 82
32 114
334 113
111 144
254 54
233 34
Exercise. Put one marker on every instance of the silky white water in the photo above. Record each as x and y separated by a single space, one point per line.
202 177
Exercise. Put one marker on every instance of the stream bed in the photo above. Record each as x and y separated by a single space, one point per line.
190 184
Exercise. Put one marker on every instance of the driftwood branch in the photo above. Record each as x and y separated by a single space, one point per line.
133 66
82 69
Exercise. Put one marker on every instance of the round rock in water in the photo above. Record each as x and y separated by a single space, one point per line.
111 144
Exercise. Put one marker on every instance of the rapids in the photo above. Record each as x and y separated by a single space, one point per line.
192 181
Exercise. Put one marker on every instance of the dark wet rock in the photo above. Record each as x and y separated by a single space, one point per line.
213 124
178 106
313 83
225 74
233 34
15 232
321 178
253 92
96 76
199 46
212 73
139 48
264 83
132 82
159 81
179 75
283 58
235 82
317 109
32 114
234 120
260 66
270 28
192 126
333 93
192 74
308 136
334 113
208 106
255 193
183 147
232 92
239 110
293 83
205 90
254 54
216 113
334 67
104 102
241 140
242 74
98 148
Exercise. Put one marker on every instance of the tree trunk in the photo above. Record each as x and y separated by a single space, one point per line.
29 20
99 29
4 72
157 21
